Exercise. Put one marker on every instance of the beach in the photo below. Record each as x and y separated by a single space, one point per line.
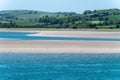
58 46
95 34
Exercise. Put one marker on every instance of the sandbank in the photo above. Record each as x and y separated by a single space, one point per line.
58 47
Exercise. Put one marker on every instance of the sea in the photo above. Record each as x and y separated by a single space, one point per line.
58 66
70 66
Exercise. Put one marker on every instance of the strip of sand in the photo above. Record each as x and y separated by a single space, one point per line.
92 34
58 47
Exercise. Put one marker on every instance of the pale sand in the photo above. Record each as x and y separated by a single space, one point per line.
59 47
64 46
92 34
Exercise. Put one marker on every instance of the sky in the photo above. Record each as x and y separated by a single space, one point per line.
59 5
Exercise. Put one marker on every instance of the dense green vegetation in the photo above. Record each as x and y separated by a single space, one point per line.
97 19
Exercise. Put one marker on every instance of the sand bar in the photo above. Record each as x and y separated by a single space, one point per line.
59 47
92 34
30 46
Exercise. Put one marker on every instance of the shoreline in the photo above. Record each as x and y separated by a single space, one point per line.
52 29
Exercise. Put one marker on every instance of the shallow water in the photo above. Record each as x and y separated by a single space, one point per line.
59 66
22 36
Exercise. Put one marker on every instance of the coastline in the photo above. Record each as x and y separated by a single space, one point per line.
52 29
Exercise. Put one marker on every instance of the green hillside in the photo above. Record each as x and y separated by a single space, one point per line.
103 19
25 14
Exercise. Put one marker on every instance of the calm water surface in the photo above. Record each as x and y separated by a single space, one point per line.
22 36
59 66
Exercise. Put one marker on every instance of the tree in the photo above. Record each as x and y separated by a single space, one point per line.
87 12
117 26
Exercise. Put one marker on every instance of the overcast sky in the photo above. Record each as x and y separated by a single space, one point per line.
59 5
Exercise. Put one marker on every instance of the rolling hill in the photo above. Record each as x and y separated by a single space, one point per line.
107 18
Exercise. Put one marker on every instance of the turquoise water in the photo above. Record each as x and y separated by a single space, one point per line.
22 36
59 66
